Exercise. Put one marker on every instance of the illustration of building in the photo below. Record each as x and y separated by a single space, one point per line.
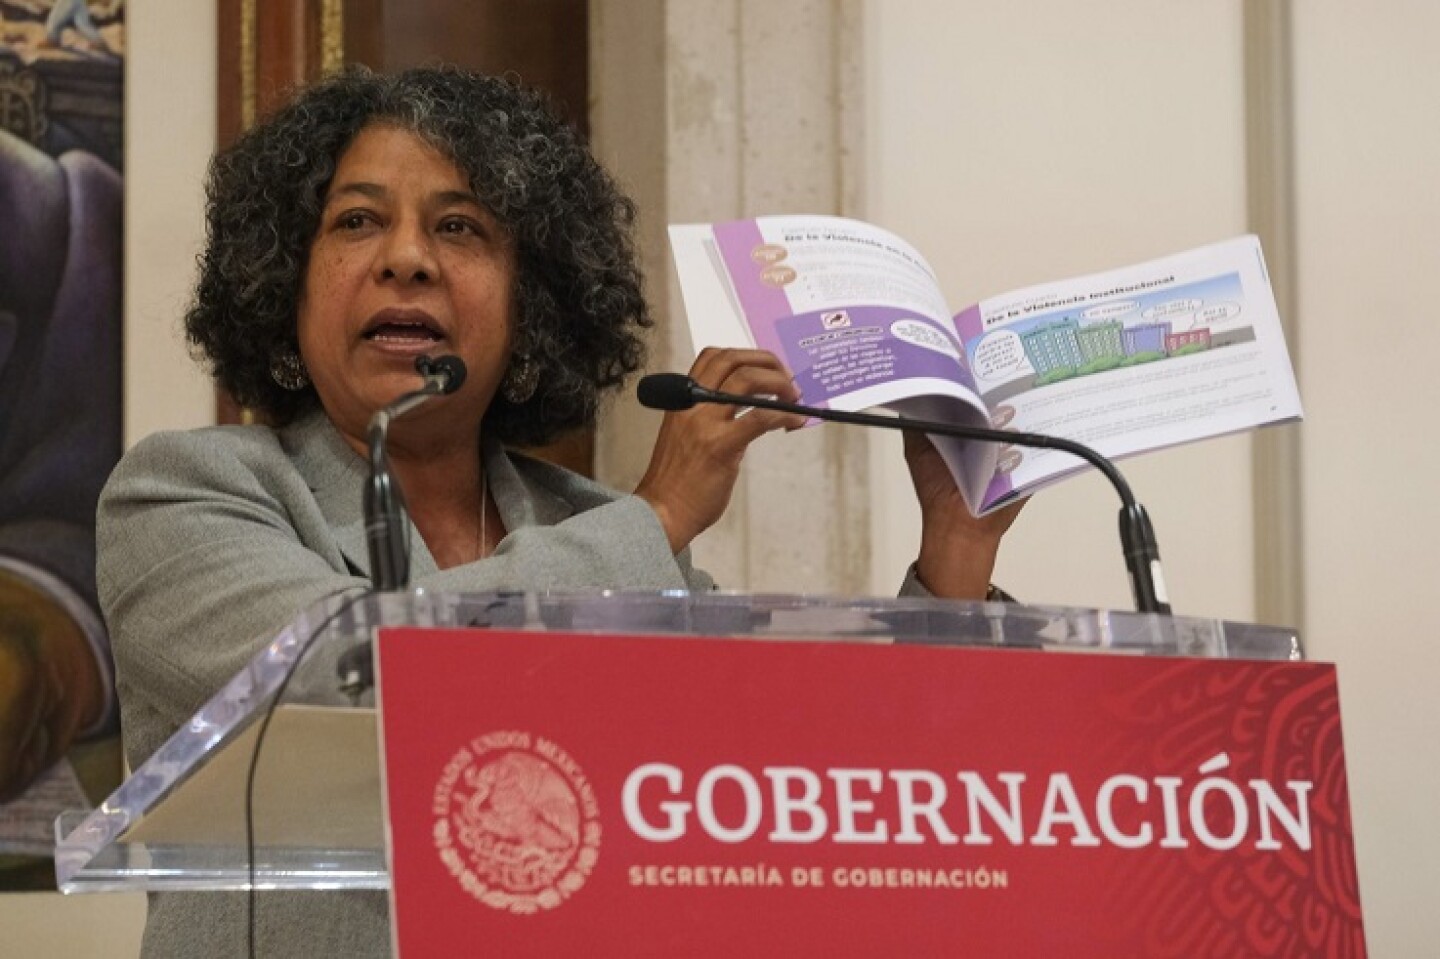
1145 338
1101 341
1052 347
1174 341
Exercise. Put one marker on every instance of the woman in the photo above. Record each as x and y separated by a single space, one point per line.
373 219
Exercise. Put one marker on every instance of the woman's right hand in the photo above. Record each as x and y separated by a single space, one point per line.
698 452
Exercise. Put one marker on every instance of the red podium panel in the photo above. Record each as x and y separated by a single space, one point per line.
554 794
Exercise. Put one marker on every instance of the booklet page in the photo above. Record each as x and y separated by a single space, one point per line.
854 311
1149 356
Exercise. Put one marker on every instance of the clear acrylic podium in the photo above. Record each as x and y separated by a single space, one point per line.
178 822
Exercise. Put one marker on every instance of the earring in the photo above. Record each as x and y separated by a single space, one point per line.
288 371
521 379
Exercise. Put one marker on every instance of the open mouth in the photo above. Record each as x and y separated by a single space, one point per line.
413 330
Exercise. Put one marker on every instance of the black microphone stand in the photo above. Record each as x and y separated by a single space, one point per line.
384 503
1137 536
386 537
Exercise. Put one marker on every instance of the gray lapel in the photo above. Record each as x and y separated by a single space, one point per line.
527 492
336 474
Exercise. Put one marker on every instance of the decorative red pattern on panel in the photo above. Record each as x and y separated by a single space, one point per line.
1274 723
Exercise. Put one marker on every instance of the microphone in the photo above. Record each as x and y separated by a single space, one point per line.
385 529
668 391
449 369
676 391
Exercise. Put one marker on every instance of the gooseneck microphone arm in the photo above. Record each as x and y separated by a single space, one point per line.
675 391
385 529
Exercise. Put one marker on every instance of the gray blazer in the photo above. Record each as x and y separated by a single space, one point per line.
211 540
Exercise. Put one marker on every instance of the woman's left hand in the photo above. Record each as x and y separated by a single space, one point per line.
957 550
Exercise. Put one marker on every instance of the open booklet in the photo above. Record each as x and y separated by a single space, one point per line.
1148 356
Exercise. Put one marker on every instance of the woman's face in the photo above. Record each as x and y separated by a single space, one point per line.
406 261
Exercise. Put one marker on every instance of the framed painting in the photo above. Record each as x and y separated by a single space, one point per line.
61 235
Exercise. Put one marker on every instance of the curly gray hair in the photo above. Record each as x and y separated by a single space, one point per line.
579 306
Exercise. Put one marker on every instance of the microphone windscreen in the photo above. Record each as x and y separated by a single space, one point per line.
666 391
453 369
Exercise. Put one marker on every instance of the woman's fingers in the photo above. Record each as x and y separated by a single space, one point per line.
748 373
754 421
713 366
745 373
